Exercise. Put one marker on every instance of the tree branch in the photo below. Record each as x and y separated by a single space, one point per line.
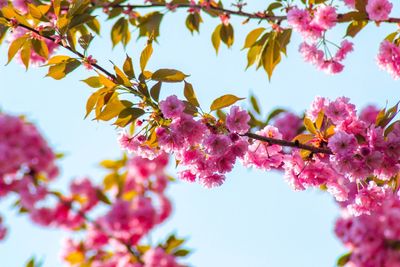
240 13
289 144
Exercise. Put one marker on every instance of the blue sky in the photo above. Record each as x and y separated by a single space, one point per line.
254 219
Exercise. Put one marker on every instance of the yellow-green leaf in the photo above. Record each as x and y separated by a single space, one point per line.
93 82
128 68
224 101
216 38
155 91
227 34
310 125
252 37
15 46
145 55
121 77
190 95
168 75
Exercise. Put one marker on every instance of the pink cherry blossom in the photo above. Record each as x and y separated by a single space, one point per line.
389 58
237 120
325 17
172 107
379 9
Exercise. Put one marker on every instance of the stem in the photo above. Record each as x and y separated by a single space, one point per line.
82 56
288 143
227 11
240 13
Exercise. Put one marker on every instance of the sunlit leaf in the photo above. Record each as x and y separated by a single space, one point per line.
224 101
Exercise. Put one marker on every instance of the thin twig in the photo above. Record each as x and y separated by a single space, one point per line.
289 143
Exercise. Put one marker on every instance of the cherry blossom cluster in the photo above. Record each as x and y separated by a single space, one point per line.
204 148
312 25
373 240
134 200
136 208
26 161
389 58
363 157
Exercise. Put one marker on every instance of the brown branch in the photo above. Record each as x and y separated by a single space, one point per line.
95 65
285 143
240 13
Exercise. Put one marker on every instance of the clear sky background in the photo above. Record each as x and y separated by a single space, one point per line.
254 219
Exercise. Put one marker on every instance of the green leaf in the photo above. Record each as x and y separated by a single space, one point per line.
121 77
15 46
145 55
94 25
255 52
355 27
155 91
181 253
227 34
391 36
102 197
224 101
283 39
111 110
26 54
120 32
128 68
344 259
193 21
149 24
274 113
310 125
271 56
61 66
190 95
252 37
85 40
128 115
255 105
216 38
79 20
40 48
168 75
93 82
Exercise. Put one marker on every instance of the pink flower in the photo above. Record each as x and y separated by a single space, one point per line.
345 48
299 19
217 144
389 58
379 9
288 124
263 155
172 107
342 144
85 192
369 114
237 120
325 17
311 54
212 180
